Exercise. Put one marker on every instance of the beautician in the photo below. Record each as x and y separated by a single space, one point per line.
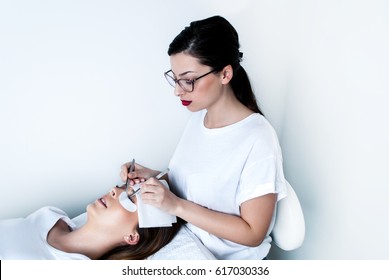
226 174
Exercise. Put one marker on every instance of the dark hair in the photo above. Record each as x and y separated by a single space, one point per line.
151 240
215 42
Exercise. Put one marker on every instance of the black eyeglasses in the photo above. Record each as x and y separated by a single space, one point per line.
186 84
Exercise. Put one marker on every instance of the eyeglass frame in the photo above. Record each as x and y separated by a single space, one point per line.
191 81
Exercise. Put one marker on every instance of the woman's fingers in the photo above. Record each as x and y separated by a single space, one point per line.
156 194
139 175
124 172
152 186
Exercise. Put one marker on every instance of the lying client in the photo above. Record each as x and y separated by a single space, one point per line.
110 232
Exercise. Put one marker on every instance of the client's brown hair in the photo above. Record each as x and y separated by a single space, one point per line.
151 240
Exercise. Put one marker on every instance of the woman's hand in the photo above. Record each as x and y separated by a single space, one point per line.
140 173
156 194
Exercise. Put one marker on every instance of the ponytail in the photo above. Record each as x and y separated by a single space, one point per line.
243 91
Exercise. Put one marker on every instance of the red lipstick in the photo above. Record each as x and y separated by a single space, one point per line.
186 102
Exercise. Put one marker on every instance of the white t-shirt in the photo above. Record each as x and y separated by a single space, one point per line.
224 167
26 238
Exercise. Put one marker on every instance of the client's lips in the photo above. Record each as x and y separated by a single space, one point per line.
186 102
102 201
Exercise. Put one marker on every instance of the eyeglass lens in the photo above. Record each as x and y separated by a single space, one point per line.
185 84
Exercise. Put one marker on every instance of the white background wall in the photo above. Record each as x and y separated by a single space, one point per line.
82 91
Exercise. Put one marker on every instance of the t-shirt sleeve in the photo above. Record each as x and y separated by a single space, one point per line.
263 174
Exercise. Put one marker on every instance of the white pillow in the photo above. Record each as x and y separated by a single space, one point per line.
184 246
289 227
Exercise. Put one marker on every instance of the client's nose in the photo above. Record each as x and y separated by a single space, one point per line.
118 190
115 192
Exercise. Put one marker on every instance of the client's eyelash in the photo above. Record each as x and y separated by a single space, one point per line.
134 193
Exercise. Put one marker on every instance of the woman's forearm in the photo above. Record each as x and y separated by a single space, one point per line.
248 229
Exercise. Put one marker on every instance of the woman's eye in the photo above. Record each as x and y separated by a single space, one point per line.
188 82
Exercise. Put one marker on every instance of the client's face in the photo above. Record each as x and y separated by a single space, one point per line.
110 215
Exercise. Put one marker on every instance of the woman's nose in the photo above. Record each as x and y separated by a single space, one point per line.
178 91
115 192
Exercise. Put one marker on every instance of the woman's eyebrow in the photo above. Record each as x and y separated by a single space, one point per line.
184 73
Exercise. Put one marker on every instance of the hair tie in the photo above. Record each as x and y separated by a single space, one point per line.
240 55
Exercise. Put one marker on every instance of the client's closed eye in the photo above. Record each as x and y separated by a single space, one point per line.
131 196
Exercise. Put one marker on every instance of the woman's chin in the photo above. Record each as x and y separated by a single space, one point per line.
89 209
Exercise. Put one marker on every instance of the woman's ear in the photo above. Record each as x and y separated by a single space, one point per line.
132 239
227 74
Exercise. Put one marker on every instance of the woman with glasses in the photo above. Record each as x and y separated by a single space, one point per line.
110 232
226 173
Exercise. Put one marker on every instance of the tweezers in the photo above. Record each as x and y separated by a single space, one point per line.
130 169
